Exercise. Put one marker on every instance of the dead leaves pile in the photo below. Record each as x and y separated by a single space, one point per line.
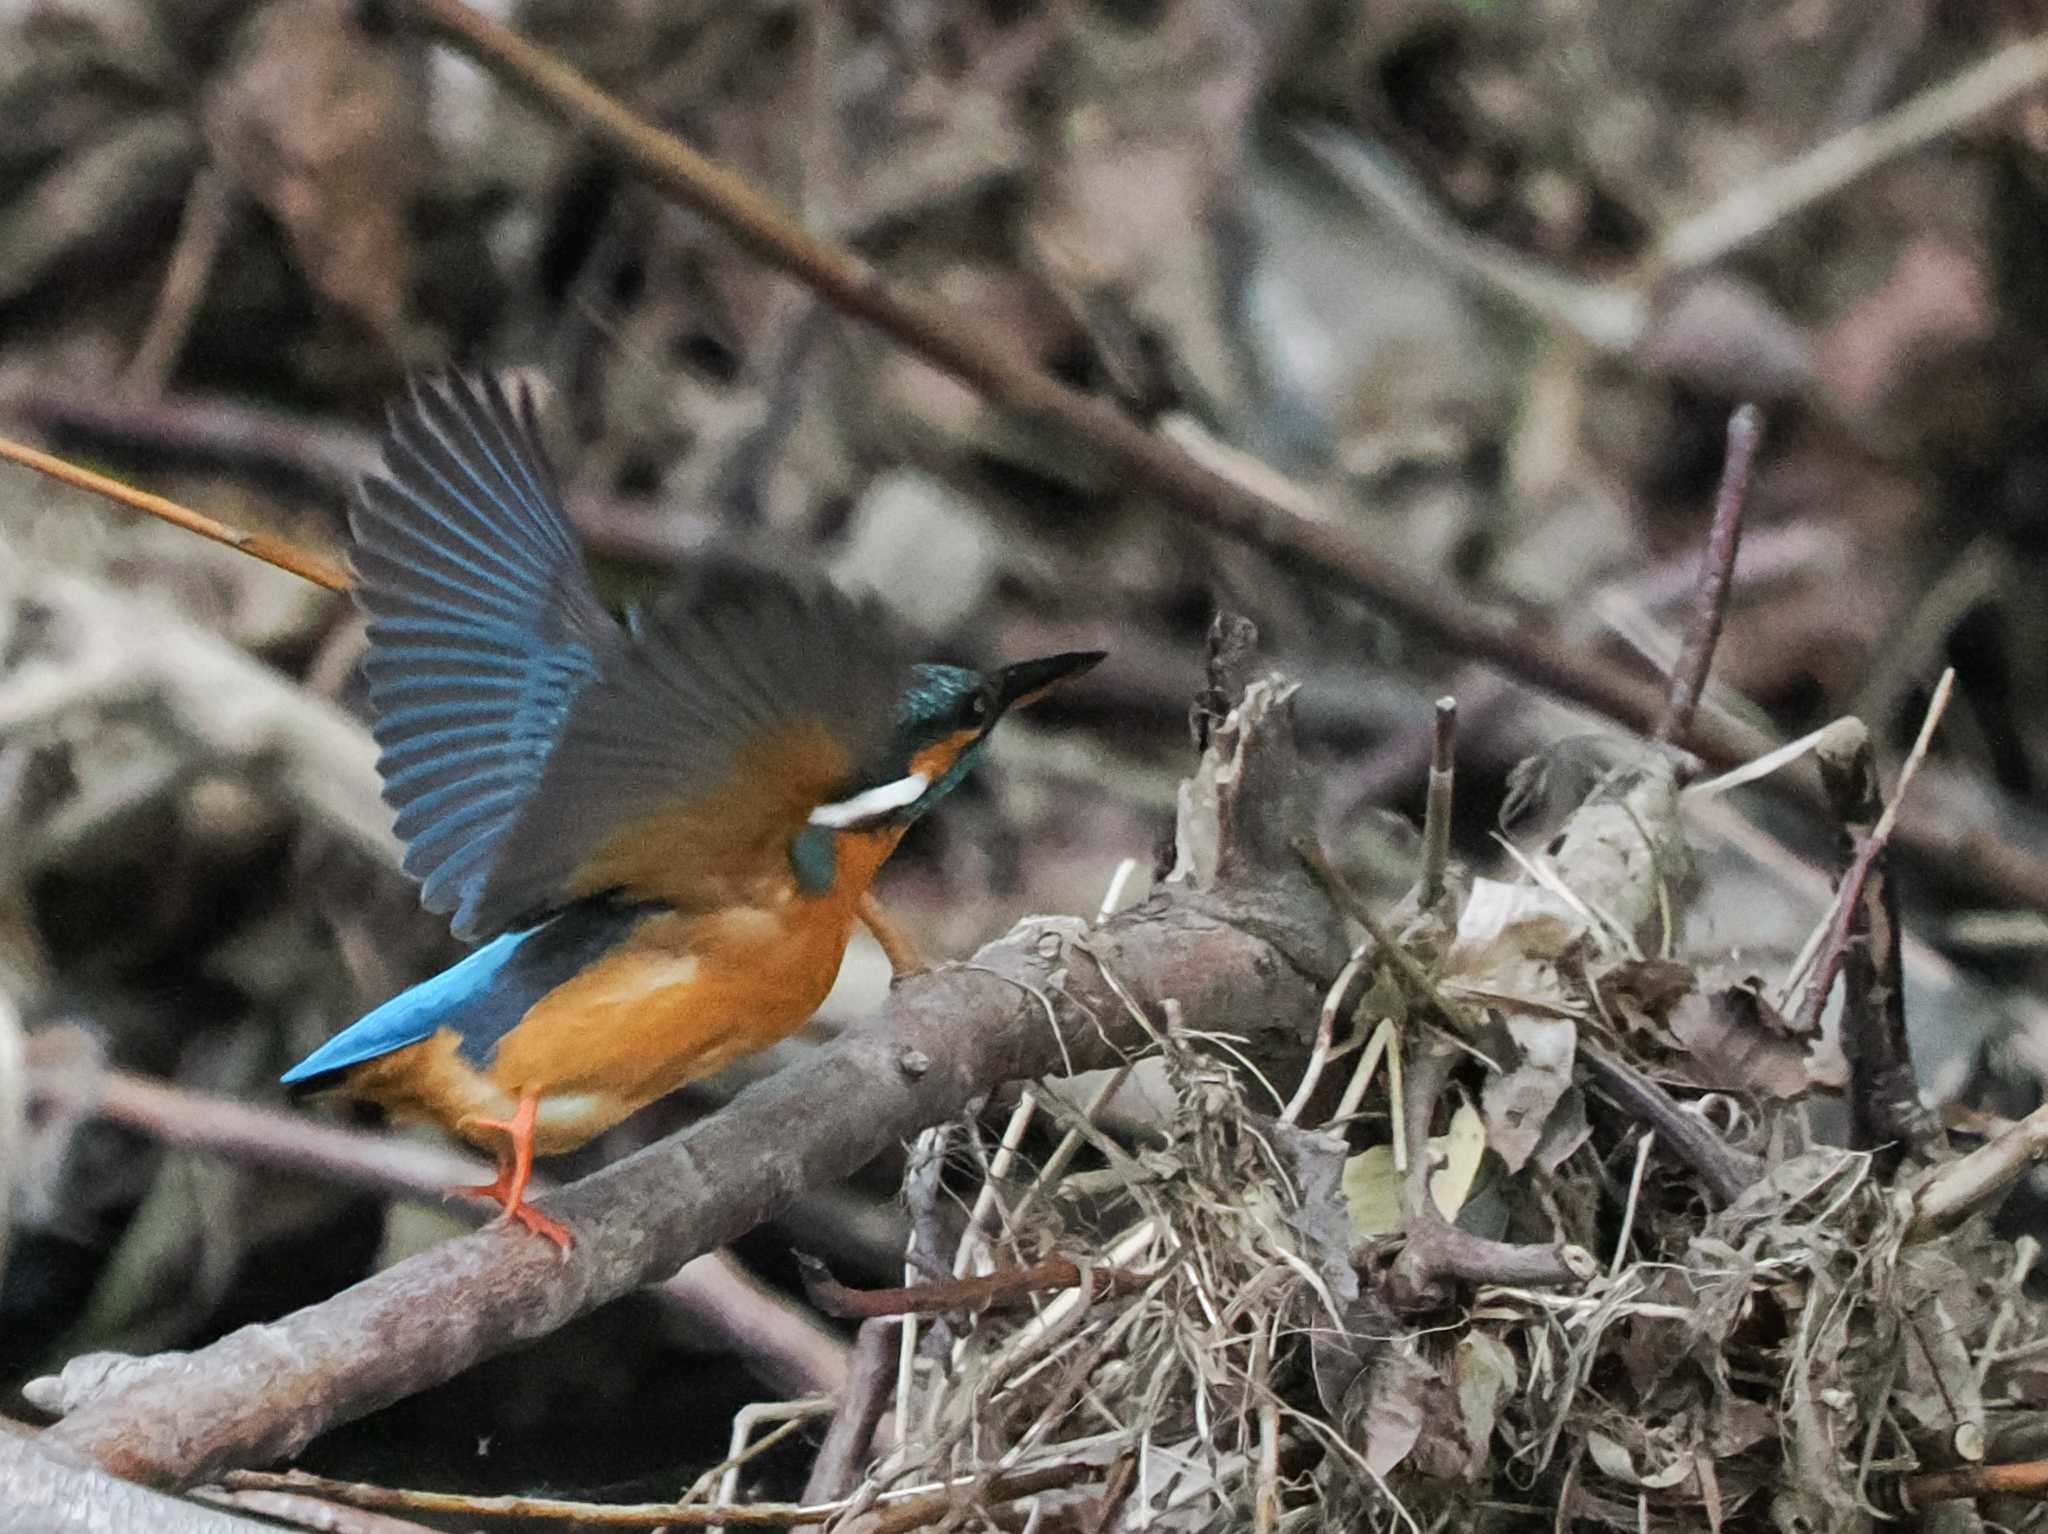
1786 1362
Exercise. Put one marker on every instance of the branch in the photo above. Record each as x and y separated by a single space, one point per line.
40 1491
1436 817
272 550
1717 570
1884 1094
1840 931
1437 1253
908 1509
1049 997
1953 1190
850 1439
1761 203
2028 1479
1727 1172
978 1293
713 1296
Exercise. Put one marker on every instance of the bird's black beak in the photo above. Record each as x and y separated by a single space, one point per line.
1029 680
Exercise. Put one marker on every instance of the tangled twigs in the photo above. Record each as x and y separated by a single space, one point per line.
1727 1172
1885 1111
1717 569
978 1293
1437 1253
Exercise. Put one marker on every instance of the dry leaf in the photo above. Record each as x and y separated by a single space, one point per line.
1518 1102
1372 1187
1732 1051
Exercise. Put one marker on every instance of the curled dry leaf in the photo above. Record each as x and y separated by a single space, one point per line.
1734 1049
1486 1371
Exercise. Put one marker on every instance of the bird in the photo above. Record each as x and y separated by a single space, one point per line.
659 833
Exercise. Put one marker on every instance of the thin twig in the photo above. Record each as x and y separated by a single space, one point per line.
1384 1042
979 1293
201 229
1726 1171
1841 924
1644 1144
303 1512
1324 1049
1266 1492
1417 981
1436 815
929 1502
1761 203
1123 1480
850 1438
1717 570
267 547
1885 1112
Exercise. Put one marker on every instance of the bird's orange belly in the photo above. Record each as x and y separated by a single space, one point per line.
684 998
658 1014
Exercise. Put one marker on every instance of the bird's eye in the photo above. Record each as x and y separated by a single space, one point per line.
977 707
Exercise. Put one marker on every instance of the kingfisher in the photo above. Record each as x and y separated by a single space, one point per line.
660 832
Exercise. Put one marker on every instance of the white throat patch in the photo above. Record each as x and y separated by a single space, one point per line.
871 803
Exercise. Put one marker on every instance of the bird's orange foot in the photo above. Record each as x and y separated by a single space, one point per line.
496 1192
523 1213
515 1169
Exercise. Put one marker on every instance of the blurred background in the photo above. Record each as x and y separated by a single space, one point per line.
1461 275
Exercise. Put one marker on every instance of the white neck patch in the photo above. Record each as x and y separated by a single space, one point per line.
872 802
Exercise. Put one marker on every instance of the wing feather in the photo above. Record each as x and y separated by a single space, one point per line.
527 741
483 629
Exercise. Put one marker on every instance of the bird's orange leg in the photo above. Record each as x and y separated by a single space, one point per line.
898 945
515 1170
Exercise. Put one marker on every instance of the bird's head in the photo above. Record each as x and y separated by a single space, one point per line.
943 719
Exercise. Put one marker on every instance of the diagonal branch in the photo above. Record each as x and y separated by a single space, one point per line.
268 547
713 1296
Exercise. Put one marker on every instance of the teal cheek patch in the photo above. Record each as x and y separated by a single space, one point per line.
814 856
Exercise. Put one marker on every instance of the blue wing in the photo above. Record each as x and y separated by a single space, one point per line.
525 733
483 630
482 998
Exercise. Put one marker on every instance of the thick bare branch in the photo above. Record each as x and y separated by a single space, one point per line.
713 1296
43 1492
